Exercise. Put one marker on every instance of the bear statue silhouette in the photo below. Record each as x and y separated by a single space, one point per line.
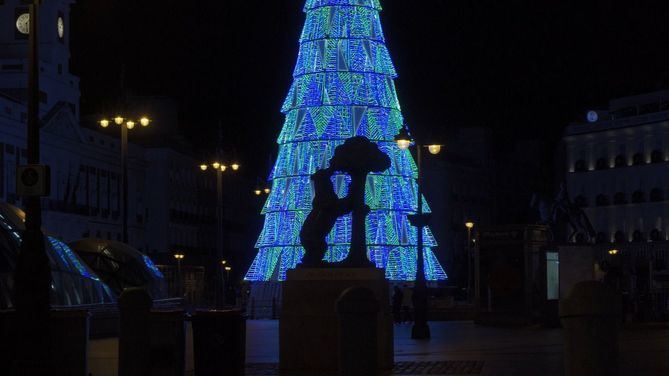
357 157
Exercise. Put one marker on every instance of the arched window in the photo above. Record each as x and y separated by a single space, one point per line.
602 237
620 161
620 237
638 197
655 235
581 201
656 156
637 236
579 166
619 198
602 164
637 159
656 194
602 200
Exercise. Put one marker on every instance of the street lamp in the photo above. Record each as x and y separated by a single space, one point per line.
469 225
420 329
219 168
125 125
613 252
179 257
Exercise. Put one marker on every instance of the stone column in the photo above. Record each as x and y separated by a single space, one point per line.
590 316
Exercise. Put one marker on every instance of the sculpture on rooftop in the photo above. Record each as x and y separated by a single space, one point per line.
561 212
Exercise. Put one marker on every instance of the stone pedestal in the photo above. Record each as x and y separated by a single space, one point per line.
308 327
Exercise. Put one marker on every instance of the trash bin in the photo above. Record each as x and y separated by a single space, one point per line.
591 316
219 342
68 338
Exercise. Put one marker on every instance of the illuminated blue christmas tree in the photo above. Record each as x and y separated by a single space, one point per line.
343 87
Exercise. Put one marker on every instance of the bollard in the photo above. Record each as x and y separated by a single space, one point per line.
219 342
69 342
134 343
357 309
590 316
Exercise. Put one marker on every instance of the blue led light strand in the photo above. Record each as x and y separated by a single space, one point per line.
343 87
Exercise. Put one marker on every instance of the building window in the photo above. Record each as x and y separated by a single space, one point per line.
656 194
620 161
637 159
637 197
581 201
637 236
602 200
619 237
601 164
579 165
619 198
656 156
655 235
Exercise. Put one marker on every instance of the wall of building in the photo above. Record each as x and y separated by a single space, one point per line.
617 170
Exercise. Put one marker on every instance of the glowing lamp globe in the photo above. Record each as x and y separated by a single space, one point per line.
235 166
434 149
469 225
104 123
203 167
216 165
257 192
119 120
267 191
144 121
130 124
223 168
403 139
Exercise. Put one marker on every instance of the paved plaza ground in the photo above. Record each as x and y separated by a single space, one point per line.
456 348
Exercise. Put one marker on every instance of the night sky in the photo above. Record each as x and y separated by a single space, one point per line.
523 68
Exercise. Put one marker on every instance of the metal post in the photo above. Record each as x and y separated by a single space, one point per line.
124 181
420 329
32 277
179 279
469 264
220 284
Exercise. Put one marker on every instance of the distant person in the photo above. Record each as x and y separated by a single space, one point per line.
407 304
397 304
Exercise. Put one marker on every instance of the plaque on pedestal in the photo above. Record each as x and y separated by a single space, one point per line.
308 327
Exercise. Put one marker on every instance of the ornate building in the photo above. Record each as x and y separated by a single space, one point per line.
618 168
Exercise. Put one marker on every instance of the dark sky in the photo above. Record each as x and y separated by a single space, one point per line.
523 68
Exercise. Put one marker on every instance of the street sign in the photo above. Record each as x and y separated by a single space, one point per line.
33 181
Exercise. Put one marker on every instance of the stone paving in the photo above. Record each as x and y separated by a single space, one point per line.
456 348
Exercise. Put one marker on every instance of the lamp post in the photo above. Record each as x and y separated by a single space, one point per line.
469 225
179 257
32 276
420 329
125 124
219 168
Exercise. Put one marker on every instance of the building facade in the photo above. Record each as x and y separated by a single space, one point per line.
617 165
168 200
